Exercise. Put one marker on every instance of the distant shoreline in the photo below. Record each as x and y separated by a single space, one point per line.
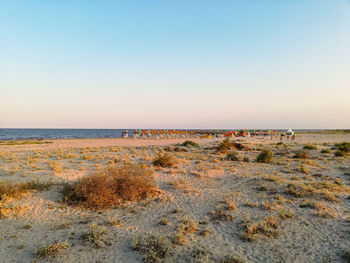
40 134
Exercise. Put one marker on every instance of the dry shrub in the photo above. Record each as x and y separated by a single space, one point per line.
300 190
310 147
232 156
12 190
221 215
6 210
17 190
94 235
179 239
343 147
111 186
51 250
240 146
301 154
233 259
267 227
269 206
230 205
326 150
265 156
190 144
165 160
326 213
339 153
224 146
187 226
153 247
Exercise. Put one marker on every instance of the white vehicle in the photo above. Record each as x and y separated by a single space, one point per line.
289 132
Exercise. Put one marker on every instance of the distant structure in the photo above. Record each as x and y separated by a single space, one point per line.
125 134
290 132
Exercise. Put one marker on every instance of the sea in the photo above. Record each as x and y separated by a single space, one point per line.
21 134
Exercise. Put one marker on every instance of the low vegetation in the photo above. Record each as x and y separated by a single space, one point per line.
17 190
326 150
224 146
232 259
165 160
310 147
94 235
153 247
23 142
265 156
267 227
190 144
301 154
232 156
344 147
109 187
47 251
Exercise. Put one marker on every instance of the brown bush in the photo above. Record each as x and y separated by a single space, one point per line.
240 146
165 160
17 190
224 146
111 186
301 154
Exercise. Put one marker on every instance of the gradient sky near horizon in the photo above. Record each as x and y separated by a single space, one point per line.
175 64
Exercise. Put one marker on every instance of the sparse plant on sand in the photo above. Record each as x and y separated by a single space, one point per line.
233 259
326 150
199 256
339 153
109 187
94 235
165 160
164 222
232 156
230 205
113 222
153 247
51 250
267 227
265 156
187 226
344 147
190 144
204 232
224 146
310 147
179 239
221 214
301 154
17 190
284 214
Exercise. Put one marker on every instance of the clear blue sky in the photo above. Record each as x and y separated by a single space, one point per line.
175 64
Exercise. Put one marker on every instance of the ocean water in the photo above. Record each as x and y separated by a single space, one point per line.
17 134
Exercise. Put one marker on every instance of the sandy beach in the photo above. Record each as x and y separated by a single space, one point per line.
210 206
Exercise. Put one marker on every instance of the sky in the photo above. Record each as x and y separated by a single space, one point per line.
175 64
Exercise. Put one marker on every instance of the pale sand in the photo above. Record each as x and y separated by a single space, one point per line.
304 238
105 142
